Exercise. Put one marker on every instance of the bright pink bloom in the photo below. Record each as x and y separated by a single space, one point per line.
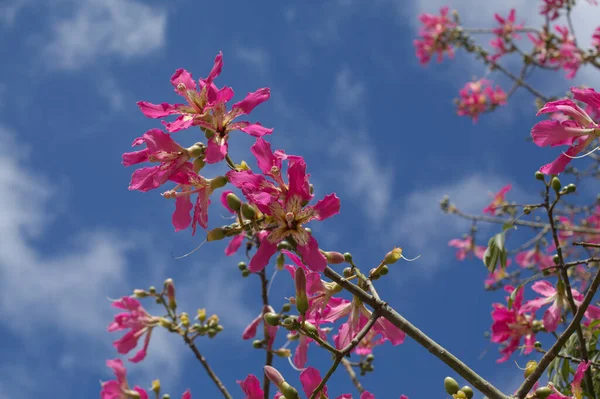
499 201
477 97
510 325
161 148
499 274
577 132
507 27
534 257
119 388
551 8
499 46
137 321
286 204
434 36
569 56
596 39
465 247
189 183
251 387
311 378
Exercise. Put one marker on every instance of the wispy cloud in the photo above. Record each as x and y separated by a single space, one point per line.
257 57
100 28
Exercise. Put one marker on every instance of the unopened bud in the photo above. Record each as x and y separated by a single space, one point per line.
242 266
170 288
571 188
451 386
245 273
293 337
218 182
234 202
248 211
335 258
283 245
460 395
393 256
257 344
185 319
348 257
526 210
283 352
537 344
166 396
468 391
288 391
290 323
286 307
370 357
274 375
310 328
199 164
213 321
197 150
301 297
384 270
215 234
539 175
152 290
140 293
347 272
529 368
271 318
543 392
555 183
165 323
556 259
201 315
280 263
156 386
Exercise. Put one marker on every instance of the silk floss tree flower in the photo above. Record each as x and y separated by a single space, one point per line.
119 388
434 36
285 206
499 201
578 132
575 385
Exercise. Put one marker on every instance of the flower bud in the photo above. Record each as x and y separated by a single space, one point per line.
257 344
293 337
393 256
197 150
185 319
468 391
288 391
301 297
166 396
213 321
451 386
384 270
556 259
274 375
152 290
310 328
283 245
543 392
248 211
156 386
286 307
539 175
370 357
245 273
280 263
234 202
290 323
571 188
201 315
537 344
242 266
347 272
140 293
348 257
529 368
215 234
218 182
165 323
334 258
199 164
460 395
526 210
170 288
555 183
283 352
271 318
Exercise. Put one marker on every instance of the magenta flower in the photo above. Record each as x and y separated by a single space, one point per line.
285 205
477 97
577 132
137 321
534 257
188 184
311 378
434 37
551 8
507 27
160 147
569 56
119 388
510 325
465 247
497 275
558 301
499 200
251 387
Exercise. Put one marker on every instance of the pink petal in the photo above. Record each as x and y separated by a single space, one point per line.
182 122
183 76
256 129
186 395
534 304
216 69
181 216
310 379
298 181
250 331
118 368
251 387
264 156
158 110
327 207
201 210
368 395
588 96
551 318
262 256
558 165
300 356
568 108
141 391
389 331
224 195
234 244
215 152
544 288
312 257
553 133
251 101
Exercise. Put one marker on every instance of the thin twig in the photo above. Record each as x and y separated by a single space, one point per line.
348 365
207 367
269 353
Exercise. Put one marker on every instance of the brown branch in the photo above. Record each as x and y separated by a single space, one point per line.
207 367
348 365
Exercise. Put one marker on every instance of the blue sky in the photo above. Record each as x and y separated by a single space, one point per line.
347 94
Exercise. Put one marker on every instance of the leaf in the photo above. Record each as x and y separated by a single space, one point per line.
565 370
496 250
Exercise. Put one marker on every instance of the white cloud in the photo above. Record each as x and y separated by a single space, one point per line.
349 92
109 89
127 28
255 56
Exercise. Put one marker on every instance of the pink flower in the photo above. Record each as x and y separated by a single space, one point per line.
137 321
551 8
569 56
498 44
188 184
577 132
251 387
119 388
507 27
477 97
497 275
285 204
534 257
250 331
465 247
311 378
434 36
499 201
596 39
510 325
160 147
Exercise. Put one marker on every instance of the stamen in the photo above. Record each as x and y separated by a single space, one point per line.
189 253
271 281
292 364
410 260
581 156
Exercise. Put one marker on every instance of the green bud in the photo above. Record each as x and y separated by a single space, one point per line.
245 273
280 261
257 344
242 266
248 211
271 318
348 257
384 270
290 323
152 290
537 344
199 164
370 357
197 150
393 256
283 245
527 210
539 175
301 297
234 202
286 307
218 182
208 134
310 328
468 391
555 183
460 395
529 368
451 386
543 392
140 293
347 272
571 188
556 259
215 234
288 391
166 396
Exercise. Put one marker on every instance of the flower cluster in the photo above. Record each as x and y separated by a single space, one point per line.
478 97
434 36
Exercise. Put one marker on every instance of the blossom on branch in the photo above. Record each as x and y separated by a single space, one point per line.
478 97
434 36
